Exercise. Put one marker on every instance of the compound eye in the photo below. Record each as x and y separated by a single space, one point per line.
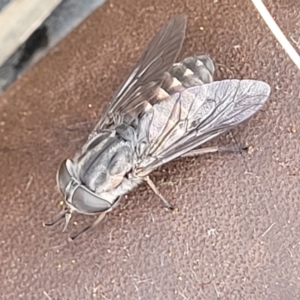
63 177
86 201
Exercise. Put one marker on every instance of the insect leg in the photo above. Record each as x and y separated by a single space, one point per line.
97 221
91 226
68 218
58 218
156 191
214 149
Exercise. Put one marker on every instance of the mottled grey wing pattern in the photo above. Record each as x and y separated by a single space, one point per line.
198 114
148 73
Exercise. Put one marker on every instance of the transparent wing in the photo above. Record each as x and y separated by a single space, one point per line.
198 114
148 73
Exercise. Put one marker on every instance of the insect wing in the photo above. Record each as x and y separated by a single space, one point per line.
148 73
198 114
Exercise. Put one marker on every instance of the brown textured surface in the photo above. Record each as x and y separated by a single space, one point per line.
237 232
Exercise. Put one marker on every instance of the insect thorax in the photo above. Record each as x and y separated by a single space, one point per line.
106 159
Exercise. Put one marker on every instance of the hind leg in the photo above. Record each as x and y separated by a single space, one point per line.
214 149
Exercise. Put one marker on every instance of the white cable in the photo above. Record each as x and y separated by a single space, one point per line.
277 32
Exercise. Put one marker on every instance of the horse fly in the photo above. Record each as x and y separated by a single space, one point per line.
162 111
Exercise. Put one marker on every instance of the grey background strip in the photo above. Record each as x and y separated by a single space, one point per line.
63 20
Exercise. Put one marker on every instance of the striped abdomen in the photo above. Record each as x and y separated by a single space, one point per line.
191 71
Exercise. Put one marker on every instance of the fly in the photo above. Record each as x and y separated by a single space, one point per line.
162 111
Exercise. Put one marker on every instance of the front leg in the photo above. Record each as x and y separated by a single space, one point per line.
156 191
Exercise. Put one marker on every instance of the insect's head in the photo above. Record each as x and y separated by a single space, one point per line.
77 197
